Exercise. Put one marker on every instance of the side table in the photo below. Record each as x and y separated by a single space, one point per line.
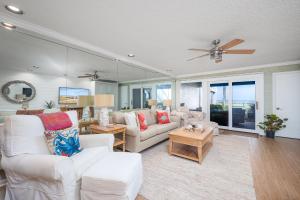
86 124
114 129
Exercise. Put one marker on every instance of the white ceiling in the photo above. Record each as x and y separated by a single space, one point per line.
160 32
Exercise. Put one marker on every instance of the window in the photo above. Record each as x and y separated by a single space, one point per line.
163 92
146 96
124 94
190 95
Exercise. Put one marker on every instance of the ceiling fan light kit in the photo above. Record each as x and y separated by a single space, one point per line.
216 53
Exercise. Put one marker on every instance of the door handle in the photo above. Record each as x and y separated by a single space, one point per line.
277 108
256 105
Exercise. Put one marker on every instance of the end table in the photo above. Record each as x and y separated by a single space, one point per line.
86 124
114 129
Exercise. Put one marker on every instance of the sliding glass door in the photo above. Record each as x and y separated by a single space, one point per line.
219 103
233 103
243 105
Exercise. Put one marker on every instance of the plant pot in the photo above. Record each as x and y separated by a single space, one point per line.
270 134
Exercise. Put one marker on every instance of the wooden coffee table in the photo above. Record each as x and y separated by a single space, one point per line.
190 145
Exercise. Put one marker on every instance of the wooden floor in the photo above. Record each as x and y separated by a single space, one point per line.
275 167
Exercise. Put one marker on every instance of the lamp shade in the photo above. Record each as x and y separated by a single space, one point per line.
152 102
84 101
167 102
104 100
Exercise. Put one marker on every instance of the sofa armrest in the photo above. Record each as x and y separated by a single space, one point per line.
96 140
175 118
48 167
132 131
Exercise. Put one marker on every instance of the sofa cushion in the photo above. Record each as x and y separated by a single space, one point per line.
118 117
157 129
130 119
167 127
149 115
86 158
107 177
150 132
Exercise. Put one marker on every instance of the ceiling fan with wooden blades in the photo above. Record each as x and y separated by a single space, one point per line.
217 51
96 77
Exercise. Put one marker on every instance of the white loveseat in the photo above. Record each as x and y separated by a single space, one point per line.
32 173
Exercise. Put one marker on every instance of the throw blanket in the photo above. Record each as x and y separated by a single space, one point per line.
55 121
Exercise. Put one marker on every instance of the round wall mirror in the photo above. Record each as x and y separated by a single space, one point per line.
18 91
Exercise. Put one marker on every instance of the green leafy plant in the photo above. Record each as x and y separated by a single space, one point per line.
49 104
272 123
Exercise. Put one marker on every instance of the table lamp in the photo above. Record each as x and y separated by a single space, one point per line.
168 104
85 102
152 103
103 101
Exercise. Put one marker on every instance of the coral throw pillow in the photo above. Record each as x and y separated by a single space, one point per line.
63 142
142 121
163 118
56 121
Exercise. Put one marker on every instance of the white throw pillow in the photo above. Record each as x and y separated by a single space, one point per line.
130 119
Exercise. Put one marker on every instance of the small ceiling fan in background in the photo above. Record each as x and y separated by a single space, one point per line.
96 77
216 52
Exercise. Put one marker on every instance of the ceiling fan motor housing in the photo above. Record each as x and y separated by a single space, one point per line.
216 55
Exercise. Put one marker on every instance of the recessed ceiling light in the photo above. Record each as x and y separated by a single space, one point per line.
35 67
14 9
8 26
131 55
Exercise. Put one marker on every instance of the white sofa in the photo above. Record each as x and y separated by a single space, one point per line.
32 173
137 141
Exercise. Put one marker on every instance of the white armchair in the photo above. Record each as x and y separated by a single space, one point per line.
32 173
187 116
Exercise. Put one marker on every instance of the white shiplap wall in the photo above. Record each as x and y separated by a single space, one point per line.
46 87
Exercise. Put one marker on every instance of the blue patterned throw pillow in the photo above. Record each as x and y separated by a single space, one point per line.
63 142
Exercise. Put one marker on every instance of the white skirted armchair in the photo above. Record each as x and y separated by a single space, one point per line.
32 173
195 117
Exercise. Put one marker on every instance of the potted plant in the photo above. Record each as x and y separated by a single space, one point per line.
49 104
271 124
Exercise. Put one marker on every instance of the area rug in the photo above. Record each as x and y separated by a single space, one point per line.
225 173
